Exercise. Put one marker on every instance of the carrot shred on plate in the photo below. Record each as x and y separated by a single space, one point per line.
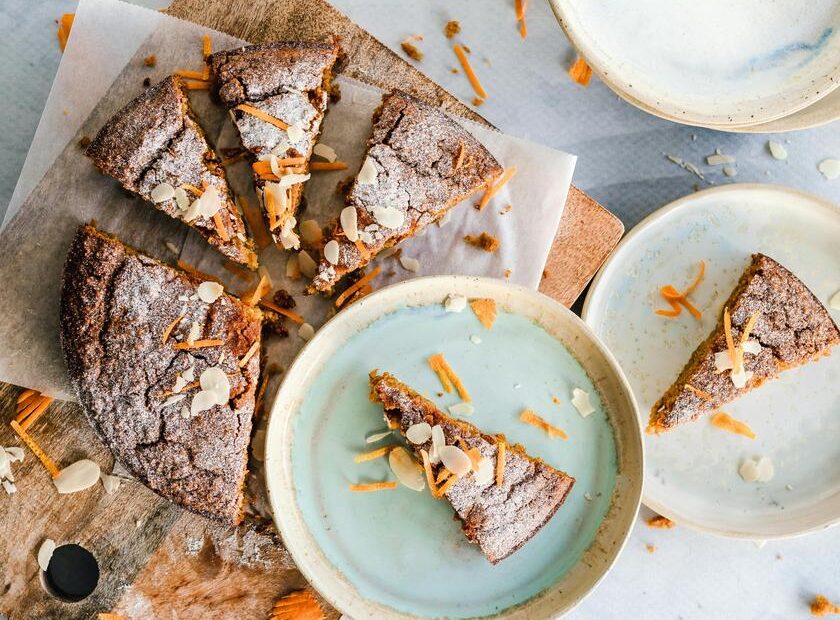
724 421
521 7
679 299
358 284
263 116
448 377
328 165
485 311
373 486
294 316
494 187
41 405
196 85
260 291
64 26
193 75
468 71
36 449
373 454
255 223
580 71
207 46
530 417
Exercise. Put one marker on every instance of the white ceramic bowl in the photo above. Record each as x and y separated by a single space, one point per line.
715 64
560 323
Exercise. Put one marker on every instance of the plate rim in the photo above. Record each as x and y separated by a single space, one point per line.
685 202
582 44
280 457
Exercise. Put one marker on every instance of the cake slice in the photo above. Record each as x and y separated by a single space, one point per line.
498 512
776 324
419 164
166 368
277 94
155 148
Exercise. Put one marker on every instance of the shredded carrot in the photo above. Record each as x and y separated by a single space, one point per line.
27 407
468 71
529 417
821 606
727 330
64 26
36 413
260 291
676 298
25 394
196 85
270 208
255 223
660 522
192 189
475 457
264 166
220 226
168 331
356 286
263 116
299 605
362 249
36 449
494 187
367 289
500 463
198 344
580 72
726 422
521 6
207 46
459 159
447 485
430 477
195 273
448 377
485 311
261 391
194 75
443 474
699 392
294 316
109 616
326 165
373 486
251 352
373 454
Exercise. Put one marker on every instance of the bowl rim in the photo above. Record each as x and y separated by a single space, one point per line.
685 202
720 120
315 567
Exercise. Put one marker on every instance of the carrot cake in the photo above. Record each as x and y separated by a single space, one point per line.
166 368
505 498
277 94
419 164
771 322
155 148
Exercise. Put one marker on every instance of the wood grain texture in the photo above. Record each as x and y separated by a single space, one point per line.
156 560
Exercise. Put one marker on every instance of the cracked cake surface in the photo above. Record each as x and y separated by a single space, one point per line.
500 519
118 308
153 143
291 82
420 163
791 328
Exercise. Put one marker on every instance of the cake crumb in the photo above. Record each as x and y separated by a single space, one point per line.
150 61
545 274
453 70
283 299
507 273
411 50
84 142
484 241
147 82
660 522
505 209
650 548
821 606
452 28
477 101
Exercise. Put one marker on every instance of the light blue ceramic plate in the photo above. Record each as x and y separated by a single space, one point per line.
692 471
400 553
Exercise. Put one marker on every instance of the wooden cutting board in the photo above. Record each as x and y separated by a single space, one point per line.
156 560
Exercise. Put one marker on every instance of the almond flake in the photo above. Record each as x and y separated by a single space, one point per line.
331 252
306 331
834 302
410 264
380 436
162 193
455 460
280 148
765 468
274 164
388 217
486 473
292 179
78 476
753 347
349 223
45 553
748 470
777 150
9 487
438 442
202 401
719 158
829 168
730 171
740 379
208 292
292 267
406 470
15 453
367 173
475 339
462 409
580 400
174 399
195 332
454 303
308 267
419 433
327 152
215 381
110 483
295 132
181 199
311 232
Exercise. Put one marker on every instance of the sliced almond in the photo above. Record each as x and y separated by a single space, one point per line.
580 401
367 173
78 476
308 267
378 436
327 152
462 409
311 232
410 264
438 442
295 132
215 381
306 331
388 217
485 474
162 193
455 460
349 223
455 303
406 470
110 483
419 433
331 252
208 292
45 553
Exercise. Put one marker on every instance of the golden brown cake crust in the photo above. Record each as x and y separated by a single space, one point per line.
154 139
116 305
425 163
793 328
500 519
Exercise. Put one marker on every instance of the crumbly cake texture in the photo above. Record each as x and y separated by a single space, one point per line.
155 139
290 81
500 519
793 328
425 163
115 306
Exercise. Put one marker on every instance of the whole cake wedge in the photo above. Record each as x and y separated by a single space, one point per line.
419 164
771 322
502 502
155 148
278 94
166 368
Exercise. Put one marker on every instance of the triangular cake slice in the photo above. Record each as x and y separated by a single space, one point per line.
420 163
155 148
498 512
166 368
786 326
277 94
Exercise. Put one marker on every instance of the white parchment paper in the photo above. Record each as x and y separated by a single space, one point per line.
59 189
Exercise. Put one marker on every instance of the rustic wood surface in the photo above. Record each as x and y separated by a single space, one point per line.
156 560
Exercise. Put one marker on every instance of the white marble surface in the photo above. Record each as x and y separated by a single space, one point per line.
622 164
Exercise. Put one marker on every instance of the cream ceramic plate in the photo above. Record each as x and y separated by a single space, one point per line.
399 553
715 64
691 472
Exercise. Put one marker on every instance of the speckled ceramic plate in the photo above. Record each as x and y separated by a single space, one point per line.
714 64
691 473
399 553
